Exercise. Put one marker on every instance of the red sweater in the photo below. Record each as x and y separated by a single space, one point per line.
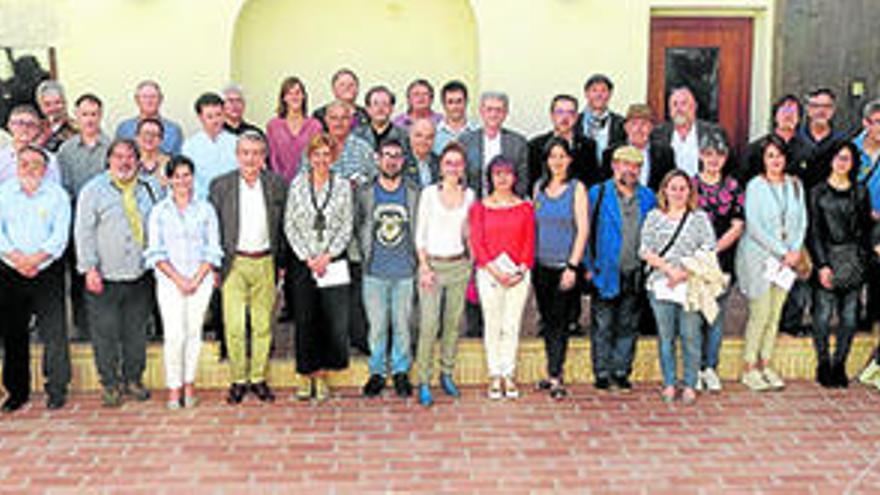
498 230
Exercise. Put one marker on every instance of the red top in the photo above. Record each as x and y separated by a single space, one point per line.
497 230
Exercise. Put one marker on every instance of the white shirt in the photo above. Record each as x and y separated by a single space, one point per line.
491 148
9 165
645 174
212 157
253 226
439 230
687 151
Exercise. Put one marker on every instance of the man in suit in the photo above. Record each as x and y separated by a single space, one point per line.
491 140
658 158
563 114
422 166
684 131
250 206
597 122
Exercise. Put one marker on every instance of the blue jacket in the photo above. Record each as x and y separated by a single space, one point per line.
605 265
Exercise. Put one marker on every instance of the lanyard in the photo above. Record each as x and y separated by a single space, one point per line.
320 219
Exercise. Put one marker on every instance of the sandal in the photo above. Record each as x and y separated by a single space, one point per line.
688 396
668 394
495 392
510 390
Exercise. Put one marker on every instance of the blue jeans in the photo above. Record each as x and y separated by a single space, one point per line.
614 330
673 321
388 300
714 333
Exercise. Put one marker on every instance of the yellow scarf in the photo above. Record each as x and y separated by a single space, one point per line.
130 205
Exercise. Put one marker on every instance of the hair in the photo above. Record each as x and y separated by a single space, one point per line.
545 156
47 87
420 82
320 141
232 88
36 149
500 161
178 161
379 89
683 89
89 97
771 140
151 120
122 142
340 104
453 86
782 100
599 78
563 97
715 140
148 83
253 137
207 100
837 147
286 85
663 201
495 95
870 108
455 147
823 90
342 72
390 143
25 108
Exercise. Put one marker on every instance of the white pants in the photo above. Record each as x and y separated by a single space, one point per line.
182 318
502 319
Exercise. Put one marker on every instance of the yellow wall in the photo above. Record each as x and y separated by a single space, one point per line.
530 48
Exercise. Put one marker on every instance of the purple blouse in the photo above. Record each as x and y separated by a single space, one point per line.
285 148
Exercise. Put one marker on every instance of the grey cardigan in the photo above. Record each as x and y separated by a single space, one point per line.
363 218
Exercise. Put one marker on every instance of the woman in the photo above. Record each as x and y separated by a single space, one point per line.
776 224
721 197
318 226
291 130
183 250
561 231
840 227
444 268
502 228
150 132
675 230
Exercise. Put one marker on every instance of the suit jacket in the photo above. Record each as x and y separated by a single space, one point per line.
663 132
660 156
513 147
616 133
225 198
411 169
584 166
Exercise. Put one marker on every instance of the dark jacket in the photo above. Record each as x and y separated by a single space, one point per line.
801 160
411 169
839 218
661 160
584 167
513 147
616 132
224 197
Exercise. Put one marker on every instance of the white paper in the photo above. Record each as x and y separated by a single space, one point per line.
336 274
779 274
663 292
505 265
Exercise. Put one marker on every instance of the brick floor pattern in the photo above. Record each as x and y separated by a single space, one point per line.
804 440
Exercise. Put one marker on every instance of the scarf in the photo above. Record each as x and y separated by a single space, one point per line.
130 205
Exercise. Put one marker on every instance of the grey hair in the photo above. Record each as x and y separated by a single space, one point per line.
49 86
233 88
252 136
341 104
870 108
495 95
148 82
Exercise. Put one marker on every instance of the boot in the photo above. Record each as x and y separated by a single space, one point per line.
823 372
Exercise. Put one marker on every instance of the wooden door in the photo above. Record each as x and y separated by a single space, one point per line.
713 57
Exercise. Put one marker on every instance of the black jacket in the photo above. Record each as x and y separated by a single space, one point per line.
801 160
839 217
584 166
616 133
661 160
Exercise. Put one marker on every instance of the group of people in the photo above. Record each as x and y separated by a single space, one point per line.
378 228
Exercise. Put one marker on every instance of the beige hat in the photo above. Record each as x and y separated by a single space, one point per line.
639 111
629 154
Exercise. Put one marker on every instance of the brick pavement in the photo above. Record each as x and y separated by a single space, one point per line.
803 440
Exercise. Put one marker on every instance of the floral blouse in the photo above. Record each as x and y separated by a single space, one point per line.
723 202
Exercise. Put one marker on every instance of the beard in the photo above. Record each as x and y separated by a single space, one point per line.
680 119
390 175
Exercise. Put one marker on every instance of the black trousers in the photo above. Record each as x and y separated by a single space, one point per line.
116 318
359 328
20 298
554 307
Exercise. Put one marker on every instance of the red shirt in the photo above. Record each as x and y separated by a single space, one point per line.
508 230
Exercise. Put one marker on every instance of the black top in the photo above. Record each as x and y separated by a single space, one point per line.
584 166
839 217
801 160
243 127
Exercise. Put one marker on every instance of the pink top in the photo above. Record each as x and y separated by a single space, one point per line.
498 230
285 149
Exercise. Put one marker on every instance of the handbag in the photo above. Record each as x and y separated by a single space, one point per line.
847 263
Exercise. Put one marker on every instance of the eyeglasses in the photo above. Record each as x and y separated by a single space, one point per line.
23 123
564 111
392 156
826 106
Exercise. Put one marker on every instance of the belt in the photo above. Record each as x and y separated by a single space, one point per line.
455 257
253 254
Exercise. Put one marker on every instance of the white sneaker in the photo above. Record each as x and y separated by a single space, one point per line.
870 373
773 379
699 385
711 380
754 380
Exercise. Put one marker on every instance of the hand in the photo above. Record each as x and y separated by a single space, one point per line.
426 278
321 262
218 280
567 280
791 258
94 283
676 276
826 277
514 279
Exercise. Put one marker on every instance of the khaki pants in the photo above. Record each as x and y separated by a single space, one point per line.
763 325
451 278
250 284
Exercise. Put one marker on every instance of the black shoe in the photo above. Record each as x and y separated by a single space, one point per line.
575 330
137 391
13 404
602 383
263 392
286 315
838 376
623 383
402 386
236 394
55 401
823 373
544 385
374 385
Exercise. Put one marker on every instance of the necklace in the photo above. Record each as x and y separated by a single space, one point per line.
320 223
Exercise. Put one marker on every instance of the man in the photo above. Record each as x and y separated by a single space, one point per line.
233 111
868 144
491 140
613 267
818 130
422 165
454 97
658 158
419 98
148 97
34 226
212 149
345 85
25 125
356 160
584 166
597 122
380 103
683 132
385 216
110 236
84 155
53 105
250 208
